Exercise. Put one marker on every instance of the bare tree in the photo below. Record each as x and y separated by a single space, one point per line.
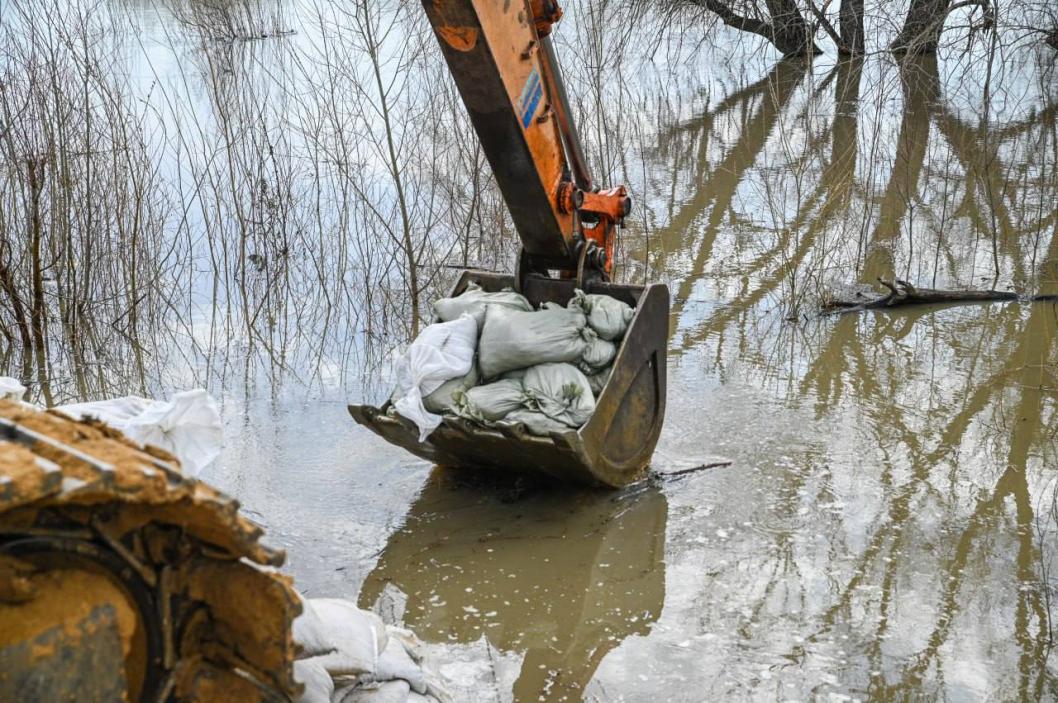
925 22
851 24
850 41
779 21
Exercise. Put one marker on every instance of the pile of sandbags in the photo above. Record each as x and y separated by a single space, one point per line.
188 425
348 655
539 368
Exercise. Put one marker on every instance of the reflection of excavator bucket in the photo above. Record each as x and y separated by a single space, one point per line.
122 579
611 449
503 63
559 578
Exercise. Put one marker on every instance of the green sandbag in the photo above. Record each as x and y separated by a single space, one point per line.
490 402
561 392
608 316
473 301
535 422
443 399
512 339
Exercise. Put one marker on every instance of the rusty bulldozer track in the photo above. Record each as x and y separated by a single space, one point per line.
122 579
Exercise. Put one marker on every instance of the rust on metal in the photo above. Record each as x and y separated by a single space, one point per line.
111 560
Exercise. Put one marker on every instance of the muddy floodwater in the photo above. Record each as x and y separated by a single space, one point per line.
880 519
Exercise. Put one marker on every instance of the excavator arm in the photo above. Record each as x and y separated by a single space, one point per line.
501 57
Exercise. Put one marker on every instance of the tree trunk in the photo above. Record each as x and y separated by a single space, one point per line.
922 27
851 28
787 30
790 32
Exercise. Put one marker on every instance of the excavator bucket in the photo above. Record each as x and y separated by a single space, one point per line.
612 449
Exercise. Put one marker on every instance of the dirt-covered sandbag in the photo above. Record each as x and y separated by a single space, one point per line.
512 339
535 422
608 316
598 380
473 301
492 401
443 399
561 392
598 353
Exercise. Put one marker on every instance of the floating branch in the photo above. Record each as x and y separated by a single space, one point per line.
903 293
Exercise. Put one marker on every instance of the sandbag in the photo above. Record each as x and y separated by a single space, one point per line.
319 686
188 425
396 691
561 392
473 300
441 352
535 422
598 353
512 339
598 380
354 639
608 316
11 389
443 399
492 401
396 663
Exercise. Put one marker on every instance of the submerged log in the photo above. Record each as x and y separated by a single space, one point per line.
903 293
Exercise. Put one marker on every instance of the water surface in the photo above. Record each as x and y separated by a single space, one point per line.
886 526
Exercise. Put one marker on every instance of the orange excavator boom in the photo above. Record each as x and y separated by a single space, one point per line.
504 65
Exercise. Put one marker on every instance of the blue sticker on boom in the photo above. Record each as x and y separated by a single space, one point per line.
530 98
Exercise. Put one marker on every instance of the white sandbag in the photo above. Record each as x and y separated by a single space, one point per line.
319 686
434 691
512 339
188 425
11 389
354 639
441 352
535 422
473 300
397 691
608 316
598 380
561 392
492 401
443 399
597 353
310 633
396 663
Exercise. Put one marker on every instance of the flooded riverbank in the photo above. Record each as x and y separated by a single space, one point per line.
887 525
